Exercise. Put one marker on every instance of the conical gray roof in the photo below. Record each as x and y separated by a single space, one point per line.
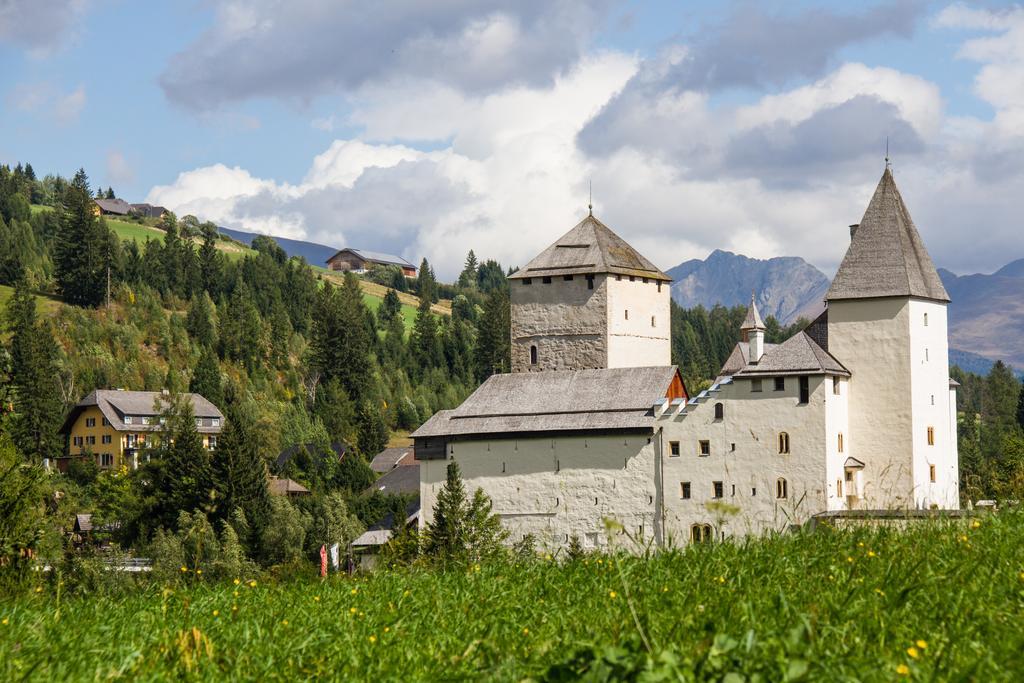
590 247
753 320
886 256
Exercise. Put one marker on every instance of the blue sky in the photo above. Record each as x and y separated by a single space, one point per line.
755 127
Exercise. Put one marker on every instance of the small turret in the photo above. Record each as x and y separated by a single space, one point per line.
753 331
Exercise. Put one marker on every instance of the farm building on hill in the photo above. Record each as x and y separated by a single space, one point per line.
148 210
361 260
854 415
111 207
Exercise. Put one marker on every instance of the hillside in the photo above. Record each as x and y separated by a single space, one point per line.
786 287
315 254
987 313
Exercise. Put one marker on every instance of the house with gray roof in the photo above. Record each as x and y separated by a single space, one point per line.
853 415
361 260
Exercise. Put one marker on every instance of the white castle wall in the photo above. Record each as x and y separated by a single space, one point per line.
643 338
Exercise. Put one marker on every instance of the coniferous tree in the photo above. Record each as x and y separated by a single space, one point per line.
206 379
1020 408
340 344
211 266
86 250
110 193
240 473
372 432
425 345
38 407
426 283
467 278
494 336
445 535
389 308
199 320
490 277
185 481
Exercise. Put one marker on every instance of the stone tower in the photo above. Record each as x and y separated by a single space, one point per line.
589 301
887 322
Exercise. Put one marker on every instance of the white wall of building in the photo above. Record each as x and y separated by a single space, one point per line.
745 458
639 328
837 422
929 395
556 487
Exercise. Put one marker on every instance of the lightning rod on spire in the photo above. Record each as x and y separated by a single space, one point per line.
590 200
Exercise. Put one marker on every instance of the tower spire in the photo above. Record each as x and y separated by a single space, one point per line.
590 200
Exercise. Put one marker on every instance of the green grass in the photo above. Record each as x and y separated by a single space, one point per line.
408 312
44 302
834 606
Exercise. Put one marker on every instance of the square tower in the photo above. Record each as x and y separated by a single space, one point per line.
589 301
886 321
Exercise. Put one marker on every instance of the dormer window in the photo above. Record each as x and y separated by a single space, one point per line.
127 419
215 422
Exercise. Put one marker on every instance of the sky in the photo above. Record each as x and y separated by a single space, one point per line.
429 128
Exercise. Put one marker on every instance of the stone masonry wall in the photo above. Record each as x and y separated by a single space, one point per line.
565 320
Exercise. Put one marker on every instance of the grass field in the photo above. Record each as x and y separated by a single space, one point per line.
44 303
941 601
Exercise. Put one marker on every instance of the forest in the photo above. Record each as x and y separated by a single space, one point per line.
292 358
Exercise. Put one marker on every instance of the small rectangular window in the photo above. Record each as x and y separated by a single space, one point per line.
654 322
840 442
805 390
618 278
839 487
90 422
105 439
931 473
215 422
127 419
684 489
673 448
659 286
931 436
644 280
835 386
705 447
753 491
590 282
91 440
546 280
627 314
780 384
632 279
212 441
527 281
926 320
106 460
716 489
567 278
755 385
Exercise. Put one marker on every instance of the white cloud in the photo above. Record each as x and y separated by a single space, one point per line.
67 108
41 26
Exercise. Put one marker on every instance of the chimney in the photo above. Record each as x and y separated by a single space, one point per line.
853 229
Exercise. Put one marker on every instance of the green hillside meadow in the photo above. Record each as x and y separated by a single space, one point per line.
941 601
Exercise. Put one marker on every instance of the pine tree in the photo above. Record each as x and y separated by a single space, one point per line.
110 193
425 345
340 344
445 535
426 283
34 378
467 278
1020 408
240 473
211 265
199 320
389 308
187 481
372 432
206 379
494 336
85 249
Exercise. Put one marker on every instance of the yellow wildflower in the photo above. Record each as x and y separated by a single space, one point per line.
199 571
721 579
216 612
903 670
664 589
5 621
612 594
252 584
373 639
316 598
387 629
861 544
923 644
526 631
975 524
284 622
849 559
354 591
236 593
184 569
548 556
237 582
871 553
405 594
234 608
880 592
362 614
913 652
39 589
352 610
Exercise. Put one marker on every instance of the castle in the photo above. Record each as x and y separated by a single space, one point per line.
856 412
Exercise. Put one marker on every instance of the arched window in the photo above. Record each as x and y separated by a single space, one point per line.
783 442
700 533
533 355
781 489
719 411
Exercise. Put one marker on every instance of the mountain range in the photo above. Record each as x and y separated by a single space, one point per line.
315 254
986 315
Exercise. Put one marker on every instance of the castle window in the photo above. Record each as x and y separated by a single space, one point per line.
835 386
805 390
783 443
705 447
716 489
840 442
933 399
931 473
719 411
645 281
590 282
673 448
684 489
755 385
700 533
632 278
567 278
781 489
215 422
659 286
926 325
527 281
753 491
533 355
627 314
780 384
654 322
839 487
926 354
618 278
546 280
931 436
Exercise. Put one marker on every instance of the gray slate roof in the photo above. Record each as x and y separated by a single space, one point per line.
753 320
798 355
886 256
115 405
375 257
390 458
590 247
564 400
286 487
402 479
115 206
